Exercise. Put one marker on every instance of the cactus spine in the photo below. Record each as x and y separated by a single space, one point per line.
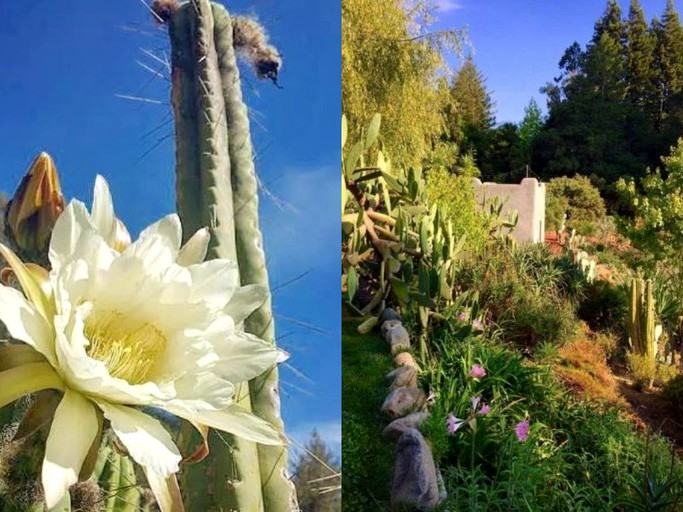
214 168
641 319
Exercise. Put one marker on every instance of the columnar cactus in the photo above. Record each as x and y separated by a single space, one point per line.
216 187
642 331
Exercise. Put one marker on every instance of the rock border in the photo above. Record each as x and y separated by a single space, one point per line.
416 482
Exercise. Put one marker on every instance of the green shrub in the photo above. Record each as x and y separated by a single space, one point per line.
643 369
583 200
528 293
604 305
454 196
673 392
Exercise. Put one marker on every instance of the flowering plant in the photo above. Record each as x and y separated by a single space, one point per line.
117 326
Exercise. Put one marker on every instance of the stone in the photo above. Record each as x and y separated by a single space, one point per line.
398 339
403 376
405 359
389 314
402 401
414 482
443 493
394 430
389 324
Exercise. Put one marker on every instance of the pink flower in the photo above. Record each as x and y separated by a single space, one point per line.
463 317
453 424
485 409
477 372
522 430
475 402
477 325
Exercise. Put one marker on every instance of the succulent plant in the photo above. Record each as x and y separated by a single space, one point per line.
216 187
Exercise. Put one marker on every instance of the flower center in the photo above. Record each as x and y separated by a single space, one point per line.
129 351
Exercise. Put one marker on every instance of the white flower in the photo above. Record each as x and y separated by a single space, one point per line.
147 326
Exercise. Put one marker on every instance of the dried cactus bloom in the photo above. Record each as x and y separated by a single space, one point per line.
35 207
164 9
117 331
251 42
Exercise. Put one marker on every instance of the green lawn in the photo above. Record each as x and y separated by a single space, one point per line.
366 459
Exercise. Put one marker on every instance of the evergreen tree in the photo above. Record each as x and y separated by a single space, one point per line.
604 65
610 24
668 65
529 128
317 478
473 110
640 46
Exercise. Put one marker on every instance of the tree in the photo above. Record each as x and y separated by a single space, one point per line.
529 128
502 162
640 45
670 53
472 111
393 65
317 478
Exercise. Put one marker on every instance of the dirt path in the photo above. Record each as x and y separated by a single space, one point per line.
649 410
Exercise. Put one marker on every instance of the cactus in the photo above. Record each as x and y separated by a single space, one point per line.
216 187
642 330
408 251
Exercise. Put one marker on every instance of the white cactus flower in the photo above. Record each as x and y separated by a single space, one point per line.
115 329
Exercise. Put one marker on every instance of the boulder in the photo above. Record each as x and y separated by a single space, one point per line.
389 324
398 339
389 314
405 359
394 430
414 483
403 376
402 401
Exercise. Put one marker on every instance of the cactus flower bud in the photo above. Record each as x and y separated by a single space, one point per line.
35 207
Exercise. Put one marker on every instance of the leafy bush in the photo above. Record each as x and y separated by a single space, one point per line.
527 294
604 305
583 200
454 196
643 369
673 392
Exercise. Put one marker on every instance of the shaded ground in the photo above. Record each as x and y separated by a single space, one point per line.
649 410
366 459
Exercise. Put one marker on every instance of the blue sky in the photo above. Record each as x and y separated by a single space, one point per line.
517 44
61 71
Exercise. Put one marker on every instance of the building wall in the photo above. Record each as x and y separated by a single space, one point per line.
527 198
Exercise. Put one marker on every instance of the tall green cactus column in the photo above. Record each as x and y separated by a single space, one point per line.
215 168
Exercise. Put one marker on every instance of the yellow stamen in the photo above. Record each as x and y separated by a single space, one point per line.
129 351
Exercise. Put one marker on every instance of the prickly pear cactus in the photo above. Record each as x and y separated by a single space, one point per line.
216 187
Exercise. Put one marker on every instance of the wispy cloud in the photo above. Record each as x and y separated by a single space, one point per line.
448 5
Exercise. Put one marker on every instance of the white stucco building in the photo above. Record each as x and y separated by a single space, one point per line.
527 198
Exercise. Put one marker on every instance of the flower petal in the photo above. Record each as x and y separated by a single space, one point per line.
145 438
234 420
166 491
73 431
168 228
25 323
214 282
66 233
102 215
245 301
31 283
194 250
243 356
25 379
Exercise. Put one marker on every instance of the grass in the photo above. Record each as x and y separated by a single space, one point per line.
367 460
